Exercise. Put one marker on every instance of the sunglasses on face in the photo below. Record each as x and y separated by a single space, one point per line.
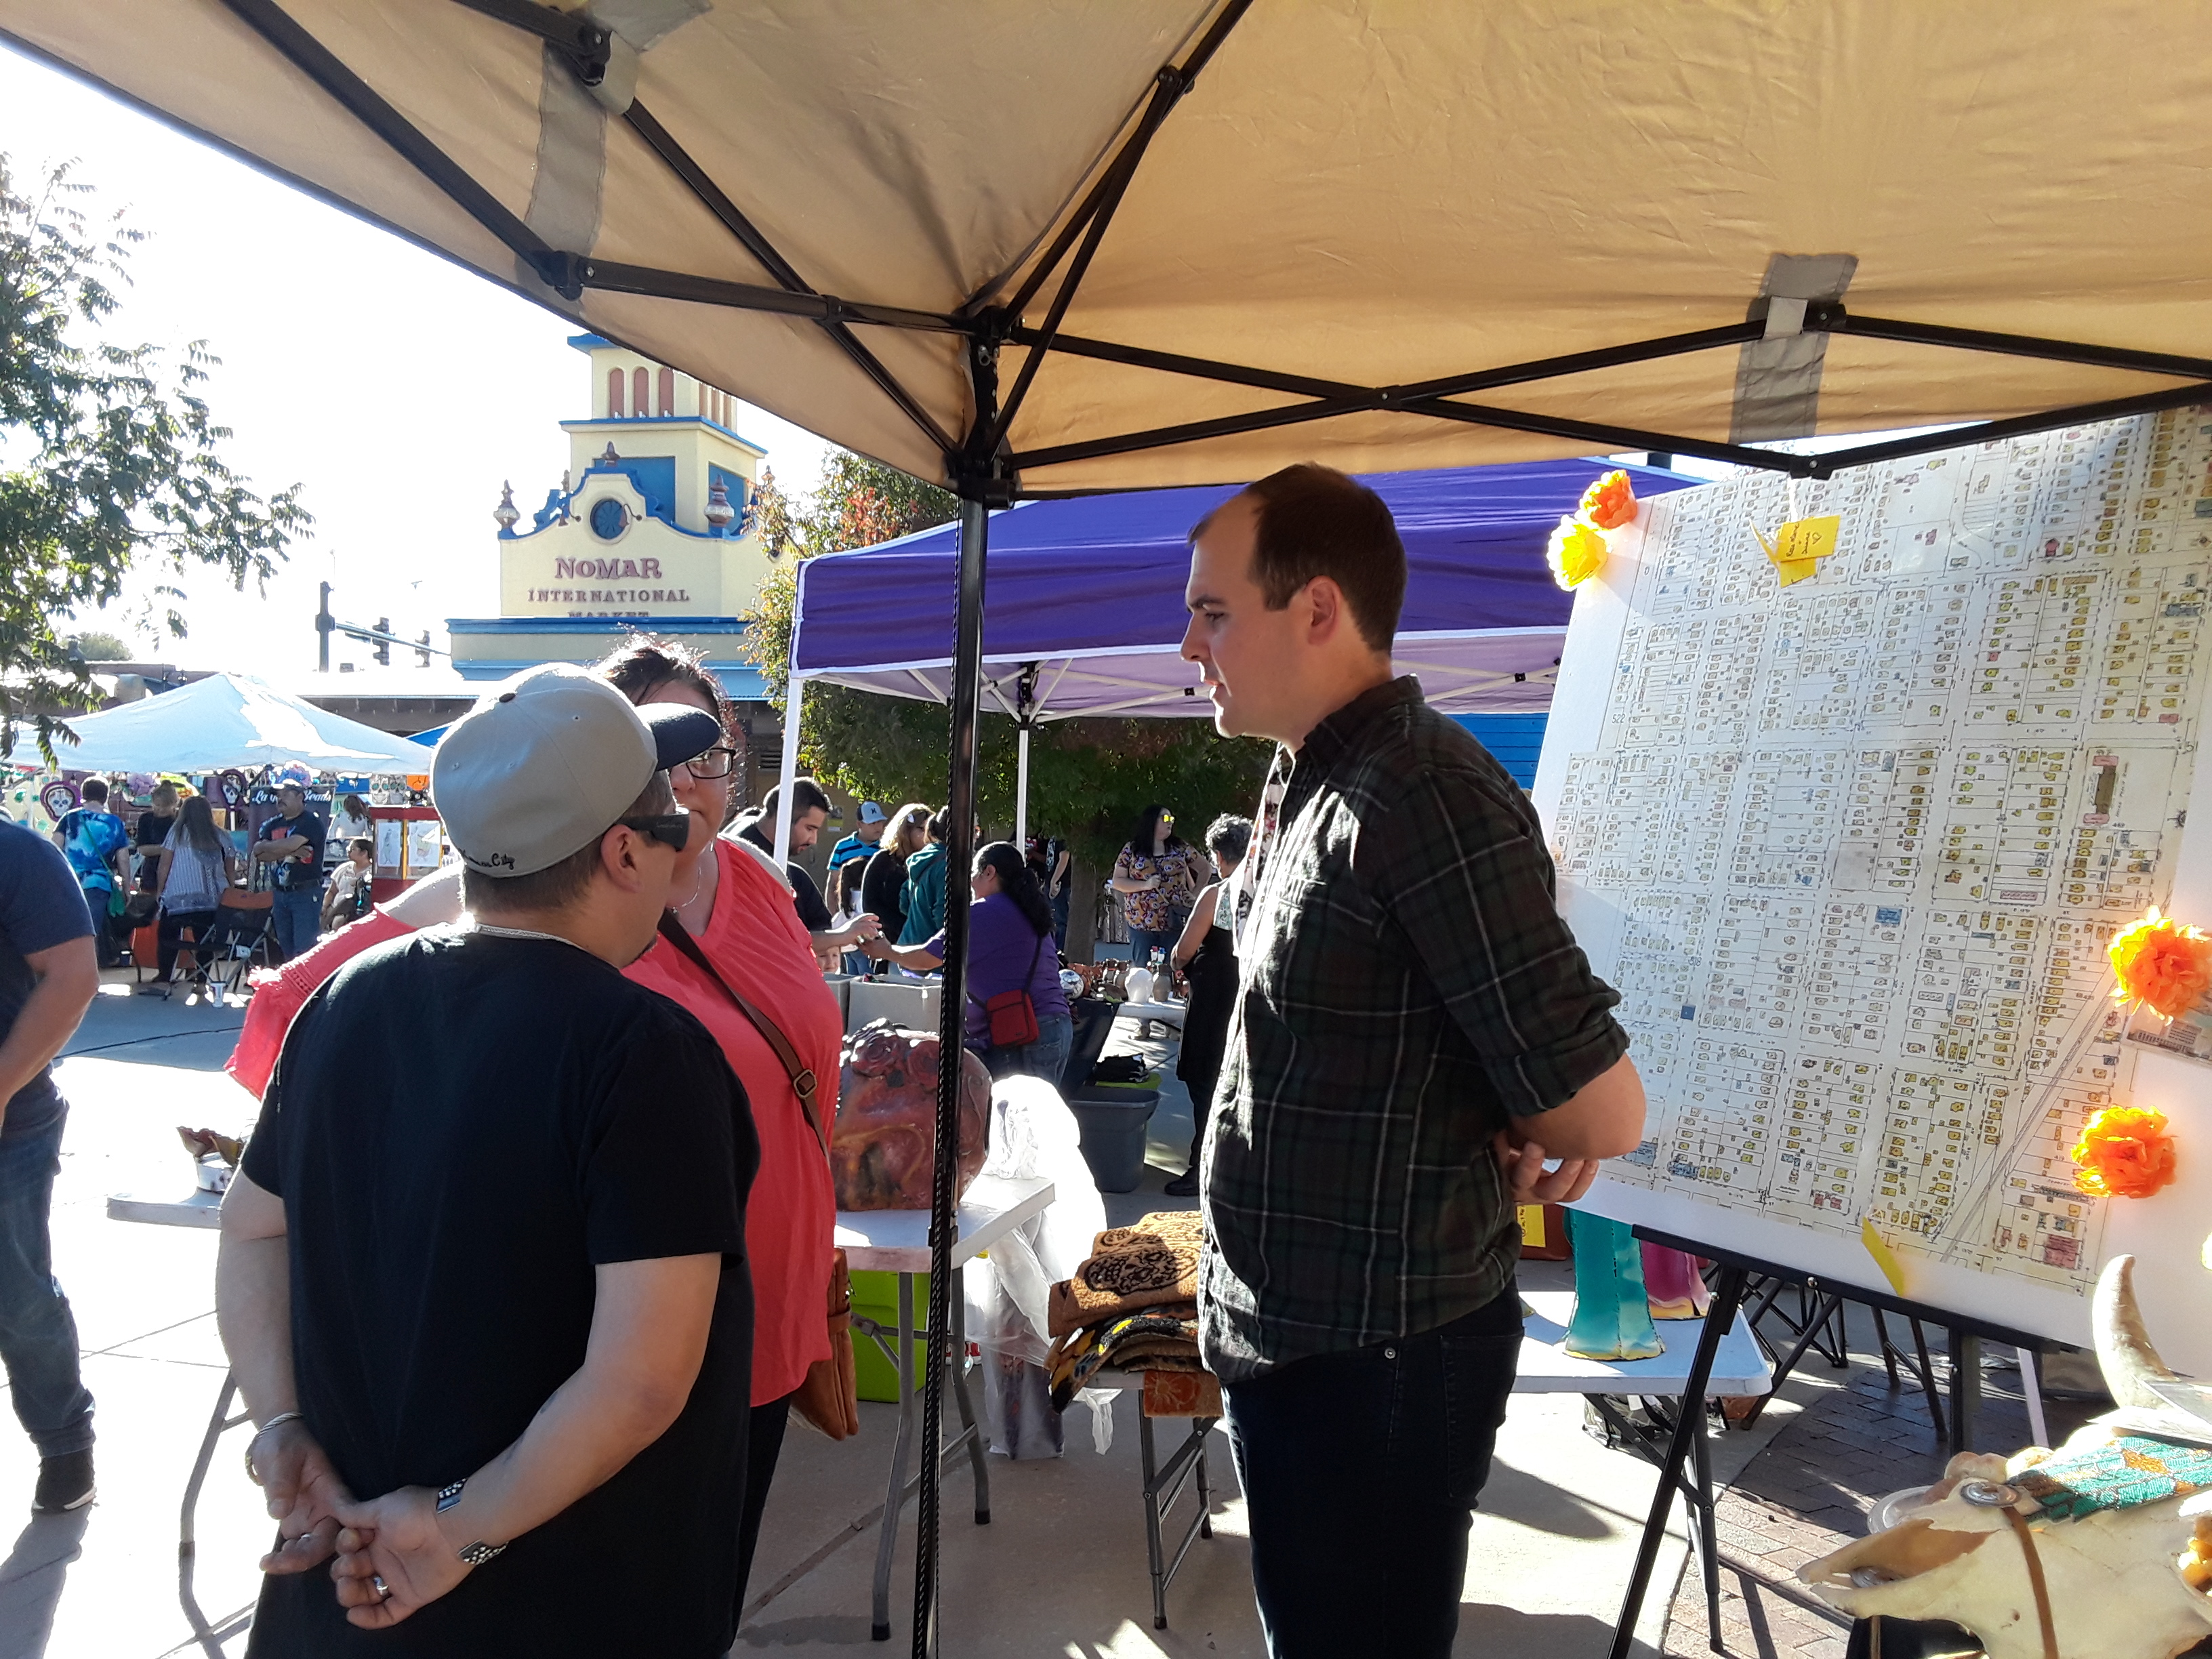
716 762
669 829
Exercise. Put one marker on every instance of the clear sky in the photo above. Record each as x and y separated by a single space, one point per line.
399 390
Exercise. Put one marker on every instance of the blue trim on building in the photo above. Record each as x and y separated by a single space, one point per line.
589 342
1516 740
616 423
646 474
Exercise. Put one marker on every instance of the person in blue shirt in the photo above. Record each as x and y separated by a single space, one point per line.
49 974
95 843
863 842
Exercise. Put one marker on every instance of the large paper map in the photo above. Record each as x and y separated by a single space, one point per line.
1852 849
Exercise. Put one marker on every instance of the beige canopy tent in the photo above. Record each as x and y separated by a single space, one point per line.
1028 248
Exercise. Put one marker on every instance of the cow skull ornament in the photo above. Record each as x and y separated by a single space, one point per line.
2100 1549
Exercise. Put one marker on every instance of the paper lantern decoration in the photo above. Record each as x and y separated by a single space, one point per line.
2125 1152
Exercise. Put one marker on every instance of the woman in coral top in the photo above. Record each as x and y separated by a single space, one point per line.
740 914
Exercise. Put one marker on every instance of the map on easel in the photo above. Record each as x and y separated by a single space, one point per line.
1851 840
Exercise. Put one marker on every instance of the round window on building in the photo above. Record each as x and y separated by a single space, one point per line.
609 518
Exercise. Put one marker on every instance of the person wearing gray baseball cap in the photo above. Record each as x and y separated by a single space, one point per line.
482 1277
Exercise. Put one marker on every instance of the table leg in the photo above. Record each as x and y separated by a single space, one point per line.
187 1548
979 1462
895 1493
1728 1296
1708 1546
1154 1557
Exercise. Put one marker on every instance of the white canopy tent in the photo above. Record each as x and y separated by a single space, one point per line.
1113 244
223 720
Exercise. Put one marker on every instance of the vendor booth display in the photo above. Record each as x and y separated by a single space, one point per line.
225 720
881 1155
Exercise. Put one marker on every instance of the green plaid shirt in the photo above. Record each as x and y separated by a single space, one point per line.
1406 984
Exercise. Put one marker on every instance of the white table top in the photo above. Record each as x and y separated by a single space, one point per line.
1739 1367
898 1241
200 1210
1169 1012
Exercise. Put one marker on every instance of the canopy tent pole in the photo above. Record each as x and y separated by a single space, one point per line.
978 478
794 695
1022 785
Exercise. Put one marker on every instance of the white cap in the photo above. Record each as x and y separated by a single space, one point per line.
540 769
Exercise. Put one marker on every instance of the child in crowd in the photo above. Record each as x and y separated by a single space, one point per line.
348 898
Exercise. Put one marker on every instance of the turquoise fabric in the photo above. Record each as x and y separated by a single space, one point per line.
2119 1475
924 903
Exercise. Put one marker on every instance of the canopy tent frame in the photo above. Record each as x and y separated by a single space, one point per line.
984 473
587 47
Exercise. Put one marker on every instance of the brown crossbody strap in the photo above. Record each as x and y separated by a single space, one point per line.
802 1080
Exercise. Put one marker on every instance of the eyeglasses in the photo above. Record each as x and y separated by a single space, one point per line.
669 829
716 762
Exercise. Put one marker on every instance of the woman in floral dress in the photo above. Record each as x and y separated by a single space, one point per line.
1157 876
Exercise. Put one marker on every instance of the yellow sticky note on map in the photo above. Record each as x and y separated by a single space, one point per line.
1884 1257
1796 545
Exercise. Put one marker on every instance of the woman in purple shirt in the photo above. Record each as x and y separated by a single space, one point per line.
1009 948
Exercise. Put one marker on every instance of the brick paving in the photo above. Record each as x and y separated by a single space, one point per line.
1809 1493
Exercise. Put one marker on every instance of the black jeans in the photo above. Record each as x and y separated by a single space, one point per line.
764 1435
1360 1472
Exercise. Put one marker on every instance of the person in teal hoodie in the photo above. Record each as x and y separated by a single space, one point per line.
924 900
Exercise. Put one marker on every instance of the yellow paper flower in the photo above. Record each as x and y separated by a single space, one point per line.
1576 554
2125 1152
2161 963
1610 503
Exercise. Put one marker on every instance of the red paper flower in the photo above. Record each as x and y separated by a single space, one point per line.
1610 503
2125 1152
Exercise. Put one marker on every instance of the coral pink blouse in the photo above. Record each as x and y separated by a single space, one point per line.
756 942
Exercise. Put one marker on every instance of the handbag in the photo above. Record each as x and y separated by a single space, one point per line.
830 1398
1011 1015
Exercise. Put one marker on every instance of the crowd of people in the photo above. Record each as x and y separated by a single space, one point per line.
530 1257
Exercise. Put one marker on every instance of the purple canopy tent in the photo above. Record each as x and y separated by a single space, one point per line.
1086 610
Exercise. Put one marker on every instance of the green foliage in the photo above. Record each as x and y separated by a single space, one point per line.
108 455
96 644
1088 779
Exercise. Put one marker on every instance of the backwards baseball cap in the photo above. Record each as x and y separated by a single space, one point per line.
544 766
871 812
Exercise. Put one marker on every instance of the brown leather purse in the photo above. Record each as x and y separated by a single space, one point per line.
828 1398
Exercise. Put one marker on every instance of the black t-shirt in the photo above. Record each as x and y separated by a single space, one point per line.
40 906
461 1127
805 898
883 891
153 829
303 871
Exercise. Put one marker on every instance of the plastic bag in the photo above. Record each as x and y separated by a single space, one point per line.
1033 1136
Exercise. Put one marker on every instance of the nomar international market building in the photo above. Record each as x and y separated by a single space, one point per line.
650 529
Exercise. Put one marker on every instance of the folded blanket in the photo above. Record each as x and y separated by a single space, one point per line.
1165 1337
1129 1269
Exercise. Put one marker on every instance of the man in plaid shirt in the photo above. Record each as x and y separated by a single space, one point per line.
1417 1034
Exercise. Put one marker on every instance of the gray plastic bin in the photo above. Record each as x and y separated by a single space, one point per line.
1113 1123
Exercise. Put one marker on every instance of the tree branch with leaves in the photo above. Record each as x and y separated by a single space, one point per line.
109 457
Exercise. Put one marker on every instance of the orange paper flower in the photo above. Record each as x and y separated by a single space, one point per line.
1609 503
2161 963
1576 553
2125 1152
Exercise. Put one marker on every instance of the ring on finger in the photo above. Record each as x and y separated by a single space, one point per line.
376 1583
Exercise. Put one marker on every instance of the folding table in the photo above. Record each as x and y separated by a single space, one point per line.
1738 1368
898 1241
202 1210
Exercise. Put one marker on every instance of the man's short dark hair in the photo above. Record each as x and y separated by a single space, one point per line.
807 796
560 885
361 844
1312 520
94 789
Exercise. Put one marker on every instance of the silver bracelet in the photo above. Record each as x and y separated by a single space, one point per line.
277 1421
